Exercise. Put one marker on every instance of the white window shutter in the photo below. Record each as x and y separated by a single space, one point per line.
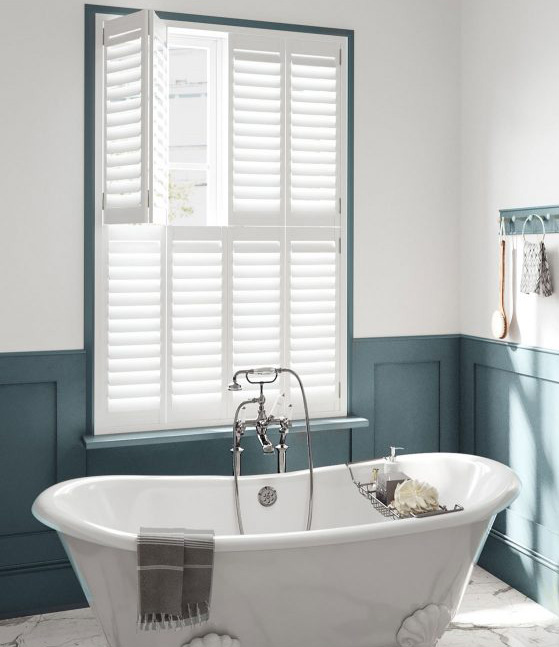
313 296
125 119
196 321
313 132
256 292
133 321
256 110
159 120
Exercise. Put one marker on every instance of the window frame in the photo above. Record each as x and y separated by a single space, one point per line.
92 198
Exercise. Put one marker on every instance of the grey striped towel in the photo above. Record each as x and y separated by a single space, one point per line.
175 568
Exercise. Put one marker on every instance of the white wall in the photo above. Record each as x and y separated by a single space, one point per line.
406 153
510 154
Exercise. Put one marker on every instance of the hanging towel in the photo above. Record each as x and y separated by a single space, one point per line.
175 568
536 276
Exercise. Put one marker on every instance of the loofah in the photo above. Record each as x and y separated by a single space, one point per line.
413 496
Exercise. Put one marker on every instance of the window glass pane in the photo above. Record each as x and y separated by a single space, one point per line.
187 197
188 105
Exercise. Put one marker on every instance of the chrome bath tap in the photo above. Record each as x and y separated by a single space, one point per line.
262 422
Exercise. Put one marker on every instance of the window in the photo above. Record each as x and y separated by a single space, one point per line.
220 219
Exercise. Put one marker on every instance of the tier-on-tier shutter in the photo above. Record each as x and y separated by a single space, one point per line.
133 321
196 319
313 302
256 130
125 119
313 132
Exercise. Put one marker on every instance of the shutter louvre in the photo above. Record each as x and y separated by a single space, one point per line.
313 296
313 117
125 119
197 323
256 130
133 323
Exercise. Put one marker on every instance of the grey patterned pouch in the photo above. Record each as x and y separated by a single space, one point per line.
536 276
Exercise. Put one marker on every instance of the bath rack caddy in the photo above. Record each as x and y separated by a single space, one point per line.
368 490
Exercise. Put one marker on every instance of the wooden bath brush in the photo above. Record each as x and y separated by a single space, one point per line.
499 324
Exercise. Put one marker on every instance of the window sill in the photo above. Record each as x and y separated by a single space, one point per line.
105 441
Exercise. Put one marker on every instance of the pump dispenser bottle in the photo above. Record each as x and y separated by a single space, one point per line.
389 478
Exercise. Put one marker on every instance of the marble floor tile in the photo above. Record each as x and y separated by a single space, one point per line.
492 614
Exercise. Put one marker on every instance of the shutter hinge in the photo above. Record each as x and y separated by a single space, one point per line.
103 35
339 245
103 201
339 389
339 205
340 56
148 198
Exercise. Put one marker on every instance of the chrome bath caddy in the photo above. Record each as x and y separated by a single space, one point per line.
368 490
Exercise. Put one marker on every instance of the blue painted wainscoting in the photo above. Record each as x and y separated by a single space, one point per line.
438 393
42 420
408 389
510 412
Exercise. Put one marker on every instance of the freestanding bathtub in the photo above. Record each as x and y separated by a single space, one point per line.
352 581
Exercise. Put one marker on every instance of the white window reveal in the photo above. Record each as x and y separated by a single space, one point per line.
220 220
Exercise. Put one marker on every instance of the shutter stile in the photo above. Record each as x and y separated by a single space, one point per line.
159 121
133 316
313 133
256 114
125 119
197 304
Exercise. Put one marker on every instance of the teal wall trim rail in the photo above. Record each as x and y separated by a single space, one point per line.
514 220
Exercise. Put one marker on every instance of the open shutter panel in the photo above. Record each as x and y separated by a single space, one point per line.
256 130
159 121
133 323
197 323
313 136
125 119
313 295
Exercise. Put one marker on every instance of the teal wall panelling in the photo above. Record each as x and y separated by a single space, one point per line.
510 412
411 389
42 409
408 389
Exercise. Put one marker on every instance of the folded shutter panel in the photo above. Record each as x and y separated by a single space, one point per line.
313 132
197 323
133 323
159 121
256 130
256 291
313 296
125 119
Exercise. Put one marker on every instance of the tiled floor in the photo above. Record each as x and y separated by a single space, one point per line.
492 615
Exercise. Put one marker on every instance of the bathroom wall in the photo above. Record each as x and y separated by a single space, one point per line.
510 158
406 226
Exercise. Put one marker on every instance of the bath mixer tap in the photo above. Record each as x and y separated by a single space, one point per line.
262 422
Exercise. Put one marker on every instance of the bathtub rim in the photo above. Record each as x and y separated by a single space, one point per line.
47 512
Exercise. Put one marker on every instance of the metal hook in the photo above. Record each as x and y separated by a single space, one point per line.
529 219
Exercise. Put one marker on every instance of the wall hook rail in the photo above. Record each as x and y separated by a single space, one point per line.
530 220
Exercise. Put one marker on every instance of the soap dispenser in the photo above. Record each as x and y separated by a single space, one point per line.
389 478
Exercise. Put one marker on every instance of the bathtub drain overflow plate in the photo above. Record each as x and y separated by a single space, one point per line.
267 496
